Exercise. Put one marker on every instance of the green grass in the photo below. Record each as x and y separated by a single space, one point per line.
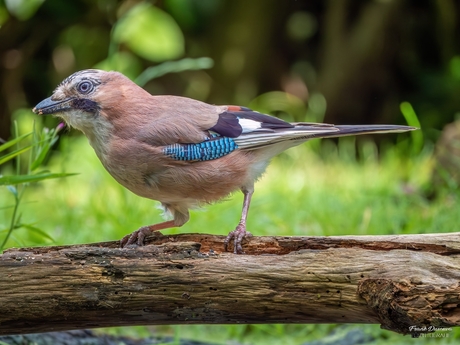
300 194
309 190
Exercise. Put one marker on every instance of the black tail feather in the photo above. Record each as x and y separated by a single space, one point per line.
345 130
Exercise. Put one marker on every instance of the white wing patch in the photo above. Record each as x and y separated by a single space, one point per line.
249 125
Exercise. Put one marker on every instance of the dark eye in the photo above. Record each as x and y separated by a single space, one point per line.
84 87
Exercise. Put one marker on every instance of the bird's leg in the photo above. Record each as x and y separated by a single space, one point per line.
240 232
138 236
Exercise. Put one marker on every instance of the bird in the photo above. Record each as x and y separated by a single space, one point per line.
179 151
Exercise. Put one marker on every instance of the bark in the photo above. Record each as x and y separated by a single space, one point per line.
396 281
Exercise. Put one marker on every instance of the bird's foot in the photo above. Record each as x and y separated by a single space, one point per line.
136 237
237 235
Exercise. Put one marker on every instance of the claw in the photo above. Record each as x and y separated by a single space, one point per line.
136 237
237 235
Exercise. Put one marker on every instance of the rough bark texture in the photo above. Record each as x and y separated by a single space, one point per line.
396 281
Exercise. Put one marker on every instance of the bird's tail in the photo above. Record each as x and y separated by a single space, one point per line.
344 130
299 132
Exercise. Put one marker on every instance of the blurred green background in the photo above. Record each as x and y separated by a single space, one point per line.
336 61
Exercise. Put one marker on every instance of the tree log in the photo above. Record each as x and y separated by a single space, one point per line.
406 283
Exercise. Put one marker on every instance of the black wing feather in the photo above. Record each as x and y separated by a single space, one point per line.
228 125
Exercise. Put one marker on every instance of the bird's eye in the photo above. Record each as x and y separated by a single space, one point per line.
84 87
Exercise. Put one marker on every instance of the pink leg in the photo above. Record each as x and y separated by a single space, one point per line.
138 236
240 232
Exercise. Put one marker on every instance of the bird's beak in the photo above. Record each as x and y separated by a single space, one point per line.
48 106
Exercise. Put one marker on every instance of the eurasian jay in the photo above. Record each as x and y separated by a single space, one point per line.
179 151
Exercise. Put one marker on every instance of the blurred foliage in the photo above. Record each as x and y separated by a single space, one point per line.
364 58
17 182
150 33
338 61
23 9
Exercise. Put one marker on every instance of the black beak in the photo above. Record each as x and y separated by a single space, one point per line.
48 106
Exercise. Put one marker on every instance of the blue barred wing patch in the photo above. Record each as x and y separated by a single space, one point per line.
207 150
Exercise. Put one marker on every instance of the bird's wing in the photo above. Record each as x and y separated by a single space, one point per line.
251 129
244 129
241 128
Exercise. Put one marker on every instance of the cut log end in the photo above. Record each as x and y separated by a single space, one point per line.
409 307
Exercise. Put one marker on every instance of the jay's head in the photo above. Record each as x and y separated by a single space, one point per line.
86 96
